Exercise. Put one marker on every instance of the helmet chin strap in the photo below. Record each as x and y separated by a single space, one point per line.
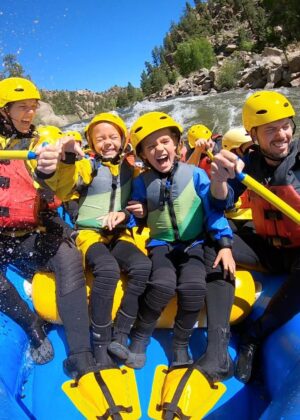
11 129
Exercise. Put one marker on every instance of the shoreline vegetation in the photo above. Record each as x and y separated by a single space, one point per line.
216 46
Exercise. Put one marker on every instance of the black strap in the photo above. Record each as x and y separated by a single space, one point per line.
4 182
171 409
272 214
114 185
278 241
170 202
114 410
4 211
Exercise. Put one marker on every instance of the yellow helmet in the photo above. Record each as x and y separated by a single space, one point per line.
48 133
148 124
196 132
77 136
17 89
234 138
110 118
265 107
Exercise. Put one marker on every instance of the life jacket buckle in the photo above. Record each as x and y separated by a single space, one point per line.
273 215
278 241
4 211
4 182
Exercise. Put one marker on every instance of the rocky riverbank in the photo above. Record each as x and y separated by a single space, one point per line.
273 68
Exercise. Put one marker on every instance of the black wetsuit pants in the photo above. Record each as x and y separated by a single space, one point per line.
105 265
253 252
46 252
187 271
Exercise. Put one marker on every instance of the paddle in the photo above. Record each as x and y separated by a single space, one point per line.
263 192
17 154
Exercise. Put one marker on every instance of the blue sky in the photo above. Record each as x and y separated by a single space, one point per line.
85 44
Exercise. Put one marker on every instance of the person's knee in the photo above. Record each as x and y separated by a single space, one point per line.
159 295
68 269
192 295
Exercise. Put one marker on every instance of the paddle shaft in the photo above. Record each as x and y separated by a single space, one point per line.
265 193
17 154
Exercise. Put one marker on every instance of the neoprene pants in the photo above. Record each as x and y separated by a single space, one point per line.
105 268
188 272
253 252
47 252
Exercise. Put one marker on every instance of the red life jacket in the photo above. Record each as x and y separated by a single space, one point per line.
19 199
245 200
205 164
272 223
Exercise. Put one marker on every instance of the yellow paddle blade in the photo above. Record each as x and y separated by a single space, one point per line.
91 398
195 399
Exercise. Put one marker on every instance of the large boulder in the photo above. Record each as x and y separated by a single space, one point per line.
46 116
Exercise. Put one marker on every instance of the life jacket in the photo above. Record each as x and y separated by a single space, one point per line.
269 222
242 208
19 199
205 164
175 211
104 194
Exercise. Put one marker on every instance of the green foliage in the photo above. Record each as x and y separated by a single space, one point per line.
145 83
62 104
284 18
11 67
228 75
194 55
128 96
172 76
244 40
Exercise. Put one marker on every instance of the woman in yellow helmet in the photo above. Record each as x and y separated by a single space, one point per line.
103 184
25 244
175 199
268 118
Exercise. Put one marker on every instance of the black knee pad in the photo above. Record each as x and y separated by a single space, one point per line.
68 268
191 295
158 296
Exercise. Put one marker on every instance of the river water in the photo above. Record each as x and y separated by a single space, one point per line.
218 111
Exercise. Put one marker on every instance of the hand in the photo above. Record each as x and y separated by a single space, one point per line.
69 144
138 209
112 219
225 165
204 144
47 158
201 145
225 256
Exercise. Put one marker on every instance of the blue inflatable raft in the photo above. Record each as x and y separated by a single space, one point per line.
28 391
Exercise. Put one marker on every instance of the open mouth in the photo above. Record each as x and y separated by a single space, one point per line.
162 160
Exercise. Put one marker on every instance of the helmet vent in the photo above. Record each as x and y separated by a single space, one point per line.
138 129
285 104
262 111
163 117
19 89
